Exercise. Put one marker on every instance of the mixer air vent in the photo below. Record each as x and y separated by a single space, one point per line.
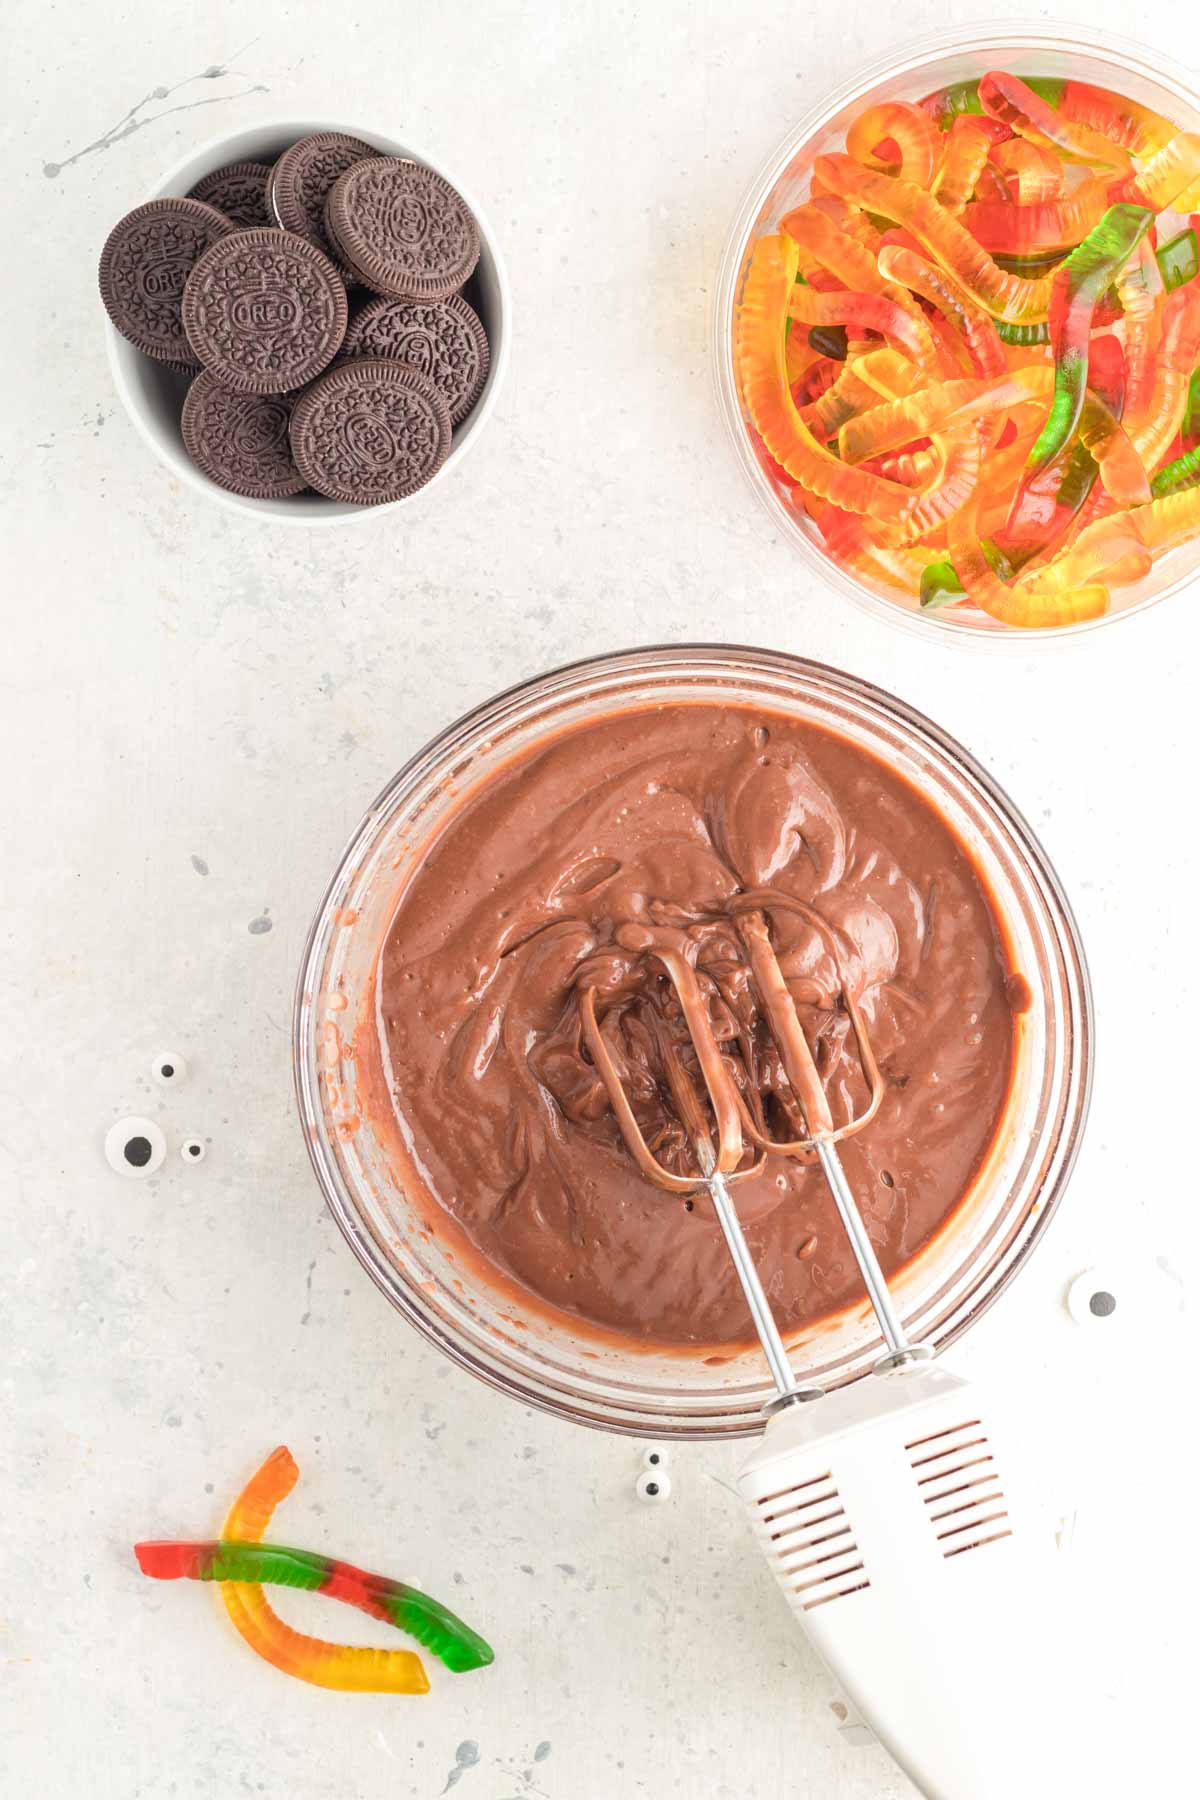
810 1543
956 1474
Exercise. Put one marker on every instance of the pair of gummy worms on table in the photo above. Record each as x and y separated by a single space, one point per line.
969 359
241 1562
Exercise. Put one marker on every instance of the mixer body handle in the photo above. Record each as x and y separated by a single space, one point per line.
895 1518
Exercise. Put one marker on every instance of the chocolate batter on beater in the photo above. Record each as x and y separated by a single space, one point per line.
546 885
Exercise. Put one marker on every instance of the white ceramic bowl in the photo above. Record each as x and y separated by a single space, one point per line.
153 395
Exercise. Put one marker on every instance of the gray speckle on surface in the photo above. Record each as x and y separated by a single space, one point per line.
258 926
306 1315
200 866
137 117
542 1751
465 1757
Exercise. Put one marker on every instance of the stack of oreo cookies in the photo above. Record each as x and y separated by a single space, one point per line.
316 309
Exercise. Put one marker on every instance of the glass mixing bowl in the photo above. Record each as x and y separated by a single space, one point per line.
509 1339
962 54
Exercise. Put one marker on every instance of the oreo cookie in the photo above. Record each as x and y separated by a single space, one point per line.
144 268
241 441
442 339
264 311
401 229
370 431
302 178
239 190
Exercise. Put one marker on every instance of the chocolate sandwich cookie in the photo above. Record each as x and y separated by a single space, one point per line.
144 268
370 431
401 229
439 338
302 178
241 440
265 311
239 190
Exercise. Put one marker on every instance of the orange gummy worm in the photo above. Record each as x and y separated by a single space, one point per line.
963 162
825 245
909 128
1160 413
1042 226
974 326
933 409
868 312
340 1666
1037 172
759 350
1165 176
1004 295
1023 603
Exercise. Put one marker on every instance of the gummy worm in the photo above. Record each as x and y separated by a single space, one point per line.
912 132
976 328
940 233
1191 411
1162 179
1162 525
1077 286
1132 126
1167 522
1037 172
1178 260
931 410
1140 291
959 459
860 313
1012 101
849 396
963 97
824 245
341 1666
1020 604
1178 353
233 1560
1048 227
963 162
848 543
1184 472
770 280
1023 336
1047 503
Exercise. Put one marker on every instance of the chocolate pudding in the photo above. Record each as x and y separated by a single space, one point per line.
553 876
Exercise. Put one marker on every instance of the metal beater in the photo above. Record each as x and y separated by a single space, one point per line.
737 1113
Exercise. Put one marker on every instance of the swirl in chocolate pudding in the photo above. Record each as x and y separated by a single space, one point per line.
553 876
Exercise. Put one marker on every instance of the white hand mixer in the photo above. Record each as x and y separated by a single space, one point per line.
890 1510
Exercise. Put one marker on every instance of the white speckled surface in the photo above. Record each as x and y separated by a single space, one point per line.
193 713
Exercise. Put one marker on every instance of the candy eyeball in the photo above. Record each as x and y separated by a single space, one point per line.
653 1485
169 1069
654 1456
135 1147
192 1150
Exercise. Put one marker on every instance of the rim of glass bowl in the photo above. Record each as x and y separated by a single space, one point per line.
596 684
908 58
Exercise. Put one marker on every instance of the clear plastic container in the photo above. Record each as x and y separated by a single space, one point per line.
508 1338
930 63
